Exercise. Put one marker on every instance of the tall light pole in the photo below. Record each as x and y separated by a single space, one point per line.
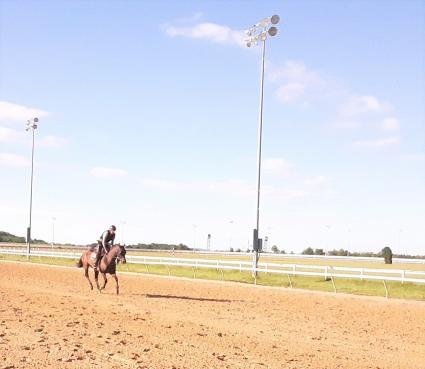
31 125
259 33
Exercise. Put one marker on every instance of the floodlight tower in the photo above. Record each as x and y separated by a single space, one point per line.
259 33
31 125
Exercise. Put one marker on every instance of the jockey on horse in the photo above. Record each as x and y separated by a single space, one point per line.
104 244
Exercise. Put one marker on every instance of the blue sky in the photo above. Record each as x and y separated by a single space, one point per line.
149 114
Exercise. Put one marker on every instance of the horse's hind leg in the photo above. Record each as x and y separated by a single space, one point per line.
116 282
86 273
105 280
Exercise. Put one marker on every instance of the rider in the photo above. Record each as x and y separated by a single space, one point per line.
104 244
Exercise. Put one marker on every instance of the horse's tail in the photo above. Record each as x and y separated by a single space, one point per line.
80 263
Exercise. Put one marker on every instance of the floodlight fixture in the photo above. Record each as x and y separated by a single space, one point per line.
272 31
31 123
275 19
260 31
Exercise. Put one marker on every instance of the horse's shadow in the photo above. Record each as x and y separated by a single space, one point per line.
148 295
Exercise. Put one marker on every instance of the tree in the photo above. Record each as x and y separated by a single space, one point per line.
319 252
231 249
340 252
238 250
387 254
8 237
308 251
275 249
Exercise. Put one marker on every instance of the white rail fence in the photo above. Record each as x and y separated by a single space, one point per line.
396 260
290 270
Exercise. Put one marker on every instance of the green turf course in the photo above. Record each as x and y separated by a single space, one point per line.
358 287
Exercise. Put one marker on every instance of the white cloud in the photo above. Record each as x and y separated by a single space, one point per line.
292 71
208 31
277 166
382 142
52 141
299 85
13 135
232 187
10 112
165 184
413 157
318 181
12 160
349 124
390 124
358 105
102 172
283 193
10 135
291 92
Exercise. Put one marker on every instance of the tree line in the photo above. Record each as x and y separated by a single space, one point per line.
8 237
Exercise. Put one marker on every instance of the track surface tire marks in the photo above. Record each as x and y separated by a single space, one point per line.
50 319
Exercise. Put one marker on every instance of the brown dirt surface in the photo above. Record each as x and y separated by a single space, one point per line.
50 319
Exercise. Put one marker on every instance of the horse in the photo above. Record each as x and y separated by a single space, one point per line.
108 264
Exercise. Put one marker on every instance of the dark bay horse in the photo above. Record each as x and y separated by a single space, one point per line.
108 264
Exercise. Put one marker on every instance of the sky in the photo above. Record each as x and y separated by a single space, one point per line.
149 120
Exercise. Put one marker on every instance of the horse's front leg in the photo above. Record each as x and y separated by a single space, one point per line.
96 278
86 273
105 280
116 282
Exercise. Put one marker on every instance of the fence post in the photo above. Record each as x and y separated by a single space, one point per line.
403 274
386 289
333 282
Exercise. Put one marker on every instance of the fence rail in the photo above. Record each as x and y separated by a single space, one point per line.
324 271
6 245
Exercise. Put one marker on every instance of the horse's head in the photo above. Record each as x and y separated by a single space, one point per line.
121 254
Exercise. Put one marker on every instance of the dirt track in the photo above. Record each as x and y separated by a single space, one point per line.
49 319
